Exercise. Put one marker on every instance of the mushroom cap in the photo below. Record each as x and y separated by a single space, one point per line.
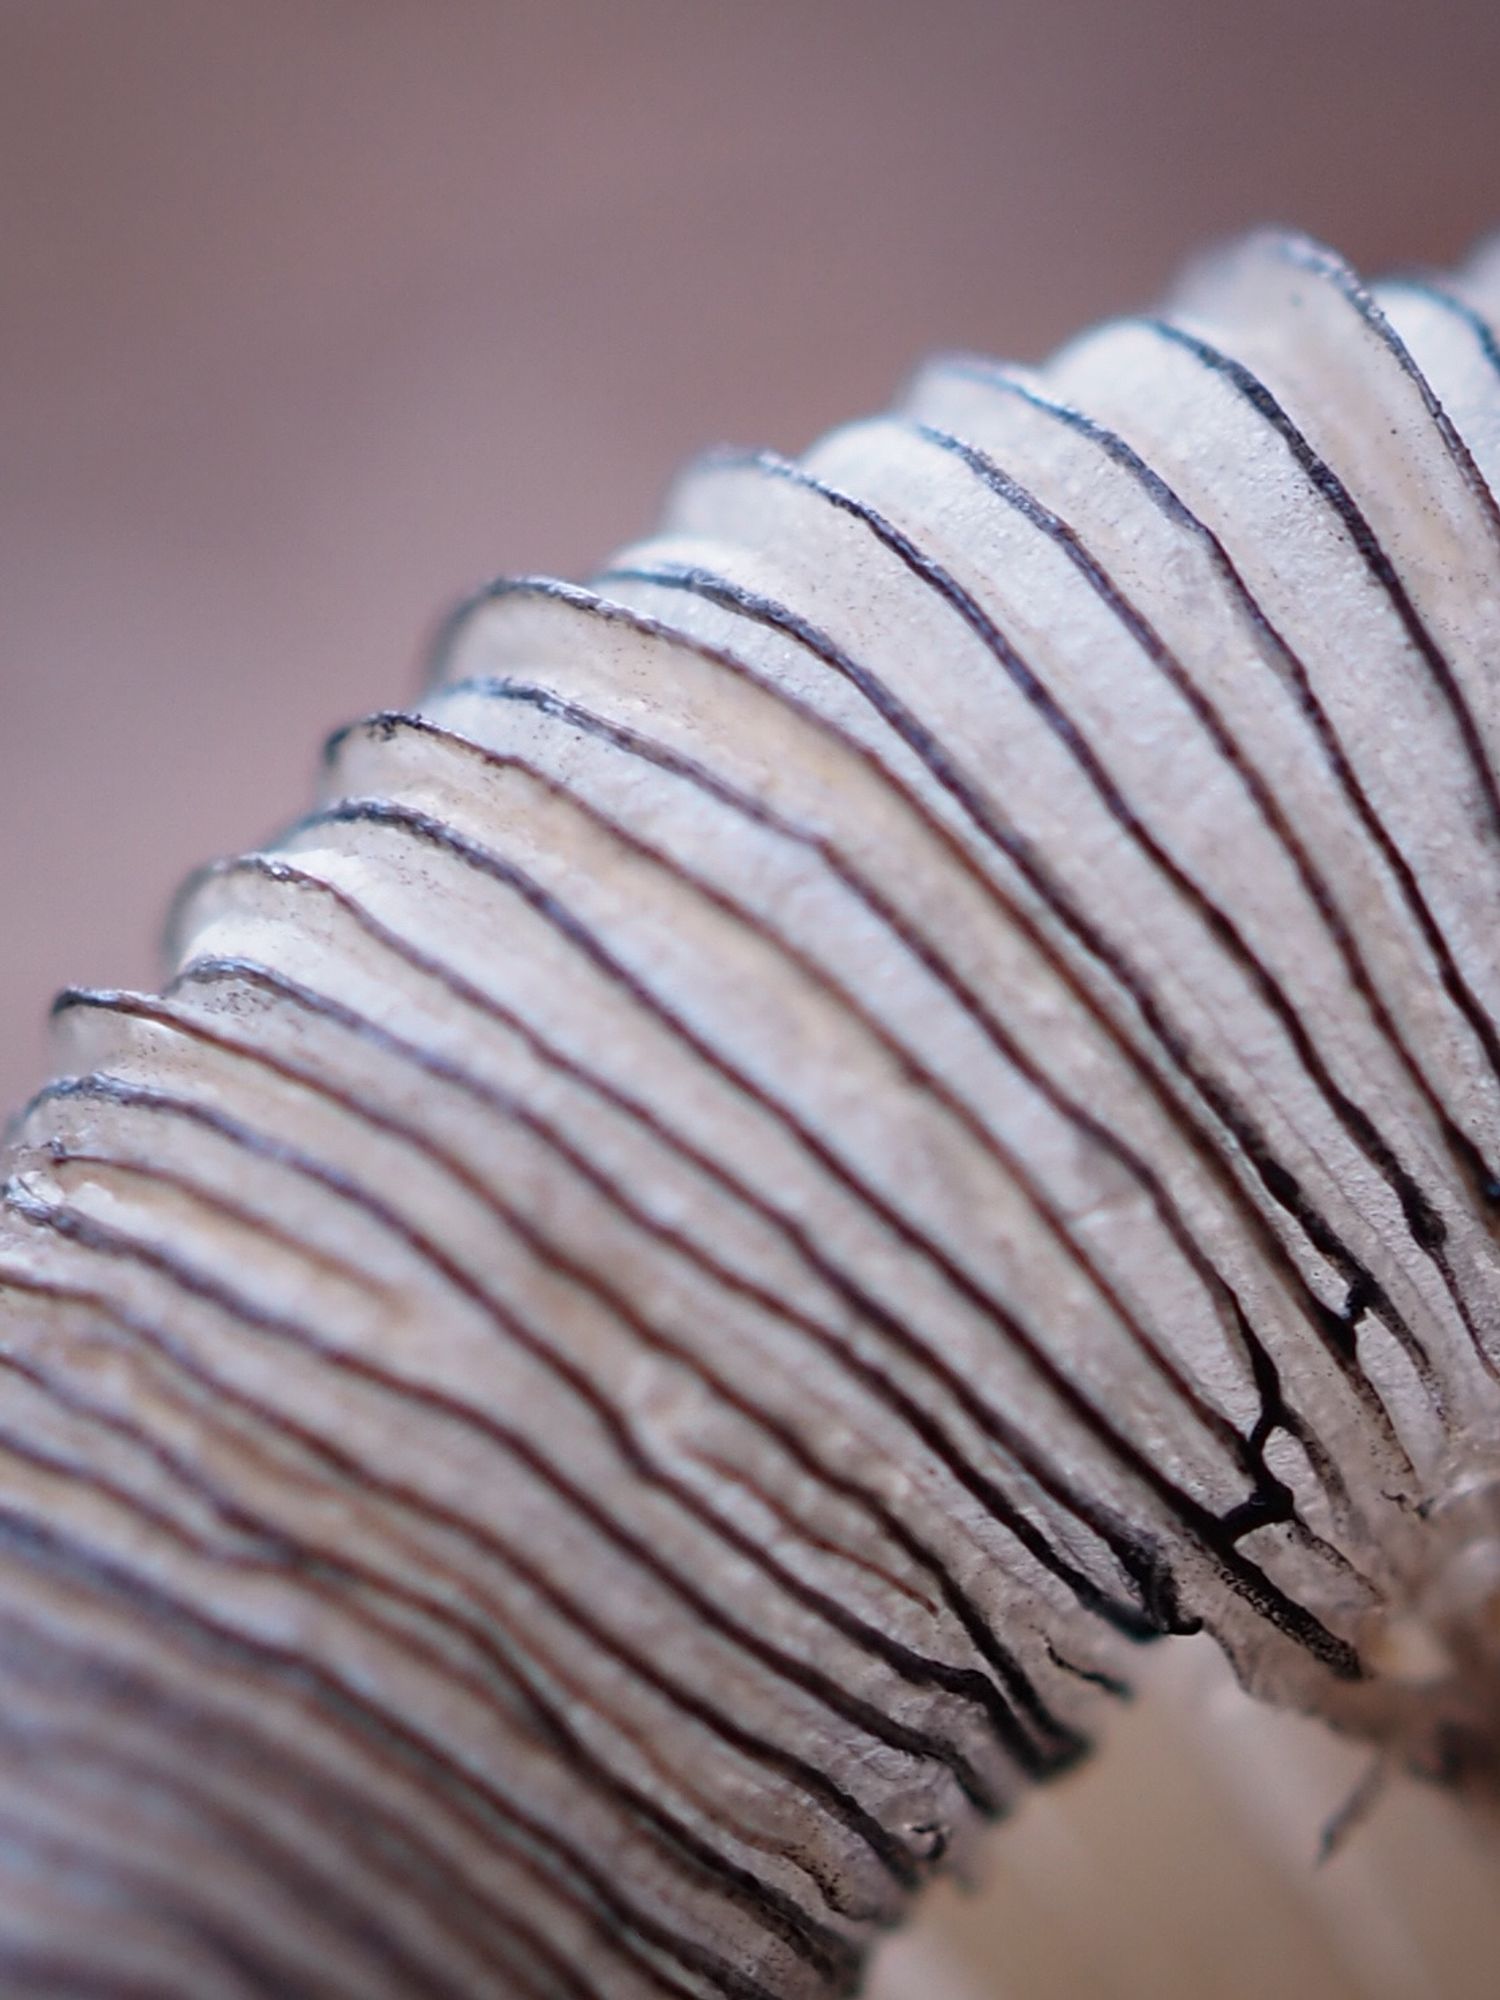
893 1099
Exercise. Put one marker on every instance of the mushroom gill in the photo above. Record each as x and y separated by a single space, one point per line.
897 1097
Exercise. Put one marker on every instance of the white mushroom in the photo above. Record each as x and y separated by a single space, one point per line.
897 1097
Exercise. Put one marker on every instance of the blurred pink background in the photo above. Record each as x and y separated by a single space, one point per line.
316 311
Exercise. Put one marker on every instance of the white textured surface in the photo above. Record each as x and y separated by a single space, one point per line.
902 1092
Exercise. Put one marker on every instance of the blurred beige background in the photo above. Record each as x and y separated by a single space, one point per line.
316 311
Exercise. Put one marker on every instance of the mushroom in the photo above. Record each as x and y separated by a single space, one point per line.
898 1097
